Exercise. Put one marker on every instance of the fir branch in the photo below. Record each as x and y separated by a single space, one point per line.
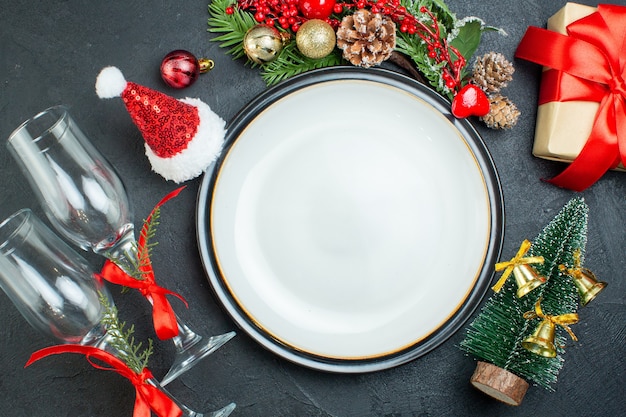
416 49
232 26
122 340
290 62
148 231
413 47
496 333
445 17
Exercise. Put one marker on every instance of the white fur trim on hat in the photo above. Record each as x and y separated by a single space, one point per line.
201 150
110 83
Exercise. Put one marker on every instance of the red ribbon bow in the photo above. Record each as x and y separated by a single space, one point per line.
148 397
590 65
163 316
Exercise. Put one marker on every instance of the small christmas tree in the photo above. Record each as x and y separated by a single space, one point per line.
507 319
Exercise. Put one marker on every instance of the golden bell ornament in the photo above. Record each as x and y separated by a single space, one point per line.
263 43
541 342
527 279
586 282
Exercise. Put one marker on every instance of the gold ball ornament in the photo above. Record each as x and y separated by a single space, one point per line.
315 39
263 43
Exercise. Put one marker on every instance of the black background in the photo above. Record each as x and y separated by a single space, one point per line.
51 52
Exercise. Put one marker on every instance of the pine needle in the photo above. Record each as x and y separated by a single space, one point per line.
290 62
233 27
148 231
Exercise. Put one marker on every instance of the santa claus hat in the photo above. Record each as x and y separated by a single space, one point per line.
182 137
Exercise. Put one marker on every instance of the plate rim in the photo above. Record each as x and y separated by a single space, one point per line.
466 307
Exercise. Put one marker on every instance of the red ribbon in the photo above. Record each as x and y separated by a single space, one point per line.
163 316
148 397
588 65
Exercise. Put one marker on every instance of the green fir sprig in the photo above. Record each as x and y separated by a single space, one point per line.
147 234
291 62
495 335
141 266
121 339
233 27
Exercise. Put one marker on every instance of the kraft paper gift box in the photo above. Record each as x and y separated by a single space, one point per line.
563 127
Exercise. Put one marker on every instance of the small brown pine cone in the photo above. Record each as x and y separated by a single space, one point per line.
366 38
503 114
492 72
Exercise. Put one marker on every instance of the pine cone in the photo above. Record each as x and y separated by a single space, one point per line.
503 114
366 38
492 72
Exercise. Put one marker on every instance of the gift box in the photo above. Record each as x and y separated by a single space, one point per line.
562 128
572 126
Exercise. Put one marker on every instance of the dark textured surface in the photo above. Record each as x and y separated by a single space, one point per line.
51 52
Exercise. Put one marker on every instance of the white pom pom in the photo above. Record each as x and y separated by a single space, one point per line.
110 83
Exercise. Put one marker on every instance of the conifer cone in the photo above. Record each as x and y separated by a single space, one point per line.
503 114
492 72
366 38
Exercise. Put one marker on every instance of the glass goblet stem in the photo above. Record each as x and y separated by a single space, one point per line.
187 412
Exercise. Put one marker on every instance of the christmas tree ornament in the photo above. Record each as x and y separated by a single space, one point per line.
586 282
366 38
263 43
500 335
316 9
470 101
182 137
180 68
541 342
503 114
526 278
492 72
315 39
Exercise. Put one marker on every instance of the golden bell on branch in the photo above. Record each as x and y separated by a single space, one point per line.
588 285
526 277
541 342
586 282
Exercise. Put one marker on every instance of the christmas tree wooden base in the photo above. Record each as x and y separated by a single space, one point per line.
499 383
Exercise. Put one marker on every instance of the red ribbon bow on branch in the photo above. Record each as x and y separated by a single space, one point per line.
163 316
148 398
593 64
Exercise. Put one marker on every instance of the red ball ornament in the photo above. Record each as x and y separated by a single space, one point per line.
316 9
470 101
180 68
